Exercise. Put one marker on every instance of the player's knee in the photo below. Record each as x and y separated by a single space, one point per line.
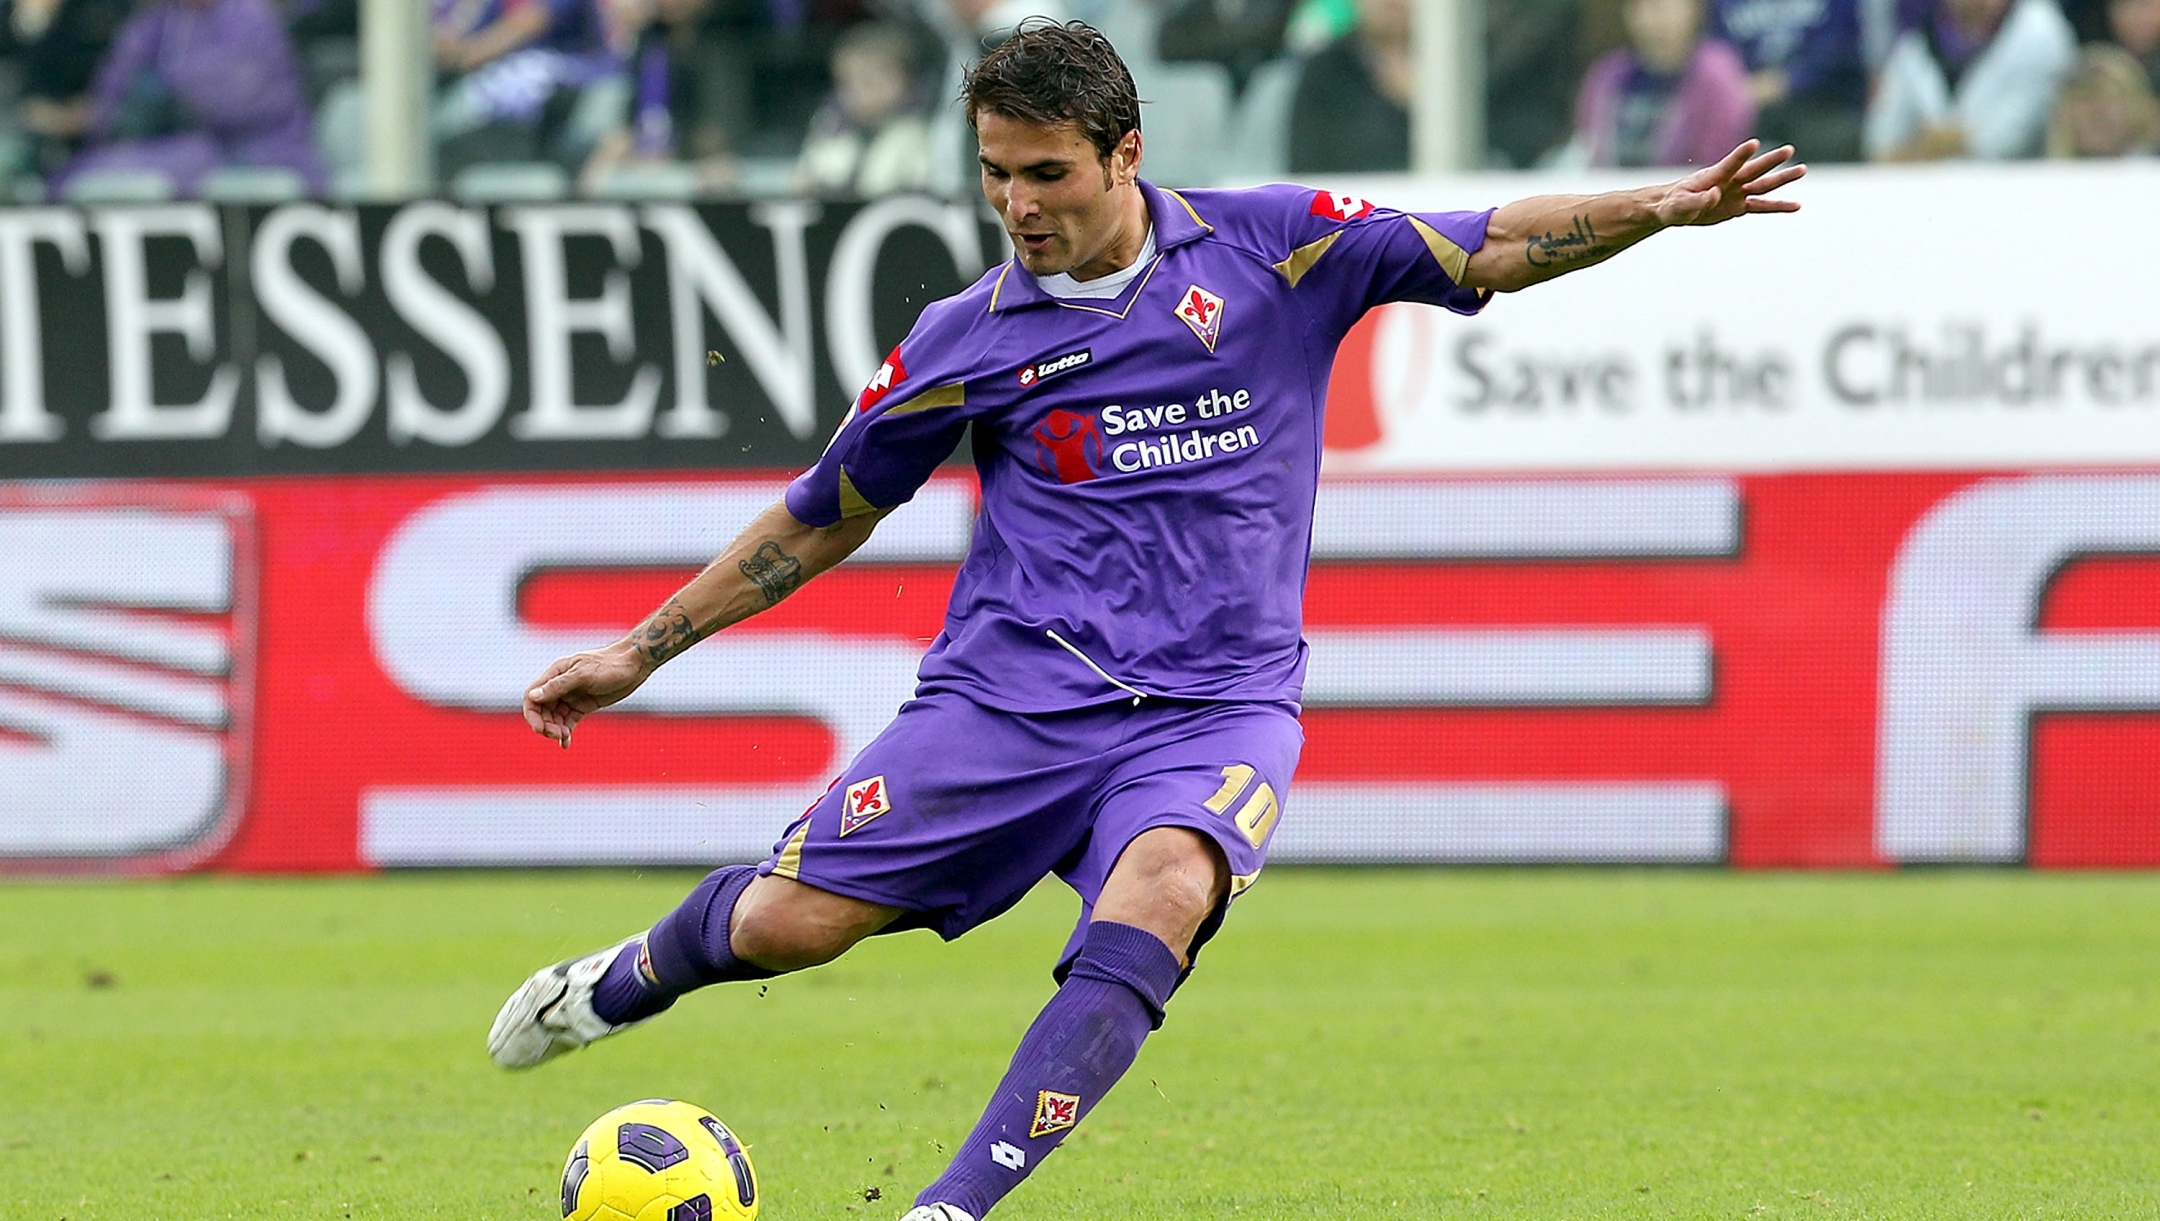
1192 889
1182 872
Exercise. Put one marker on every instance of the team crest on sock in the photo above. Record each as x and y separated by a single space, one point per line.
1202 311
1054 1112
866 799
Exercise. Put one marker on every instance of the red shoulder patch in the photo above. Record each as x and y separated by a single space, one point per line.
889 374
1340 207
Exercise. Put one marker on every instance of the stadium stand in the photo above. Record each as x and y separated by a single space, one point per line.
716 98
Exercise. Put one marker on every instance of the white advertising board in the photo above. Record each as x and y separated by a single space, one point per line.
1965 317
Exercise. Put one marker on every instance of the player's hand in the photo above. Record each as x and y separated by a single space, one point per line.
1733 187
579 684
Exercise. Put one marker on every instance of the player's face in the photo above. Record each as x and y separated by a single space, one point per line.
1062 203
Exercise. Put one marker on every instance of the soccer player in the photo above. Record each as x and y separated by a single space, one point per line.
1114 698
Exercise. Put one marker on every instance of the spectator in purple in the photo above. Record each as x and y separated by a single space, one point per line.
1670 97
667 116
2136 27
1804 68
193 85
528 80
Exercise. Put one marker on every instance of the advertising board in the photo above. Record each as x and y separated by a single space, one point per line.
1820 541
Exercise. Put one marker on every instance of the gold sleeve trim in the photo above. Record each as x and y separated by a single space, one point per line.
952 395
1453 259
1301 260
790 863
852 502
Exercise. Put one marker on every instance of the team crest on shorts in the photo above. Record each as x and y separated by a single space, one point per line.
866 799
1202 311
1054 1112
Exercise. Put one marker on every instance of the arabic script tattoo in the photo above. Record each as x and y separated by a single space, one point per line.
1578 243
774 571
667 633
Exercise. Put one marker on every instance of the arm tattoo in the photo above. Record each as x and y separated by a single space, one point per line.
774 571
667 633
1578 243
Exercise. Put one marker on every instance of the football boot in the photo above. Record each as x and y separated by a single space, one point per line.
552 1012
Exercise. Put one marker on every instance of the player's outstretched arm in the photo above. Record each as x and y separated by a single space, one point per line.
1533 240
766 562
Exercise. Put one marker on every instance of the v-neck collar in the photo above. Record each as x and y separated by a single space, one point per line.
1175 224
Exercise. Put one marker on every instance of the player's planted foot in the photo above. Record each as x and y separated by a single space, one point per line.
552 1012
936 1212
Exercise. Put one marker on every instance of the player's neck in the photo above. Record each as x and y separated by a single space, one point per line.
1126 242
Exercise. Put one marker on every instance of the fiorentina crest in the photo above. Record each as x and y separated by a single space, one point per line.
865 800
1202 311
1054 1112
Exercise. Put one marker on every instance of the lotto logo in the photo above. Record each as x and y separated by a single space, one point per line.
865 800
1040 370
1202 311
889 374
1008 1155
1054 1112
1340 207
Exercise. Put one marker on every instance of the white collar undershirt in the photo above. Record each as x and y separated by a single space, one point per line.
1062 285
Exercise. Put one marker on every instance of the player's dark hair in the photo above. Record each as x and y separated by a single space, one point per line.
1048 73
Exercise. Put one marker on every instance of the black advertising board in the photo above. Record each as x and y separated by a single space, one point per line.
187 339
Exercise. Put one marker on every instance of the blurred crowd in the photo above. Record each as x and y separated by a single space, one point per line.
260 99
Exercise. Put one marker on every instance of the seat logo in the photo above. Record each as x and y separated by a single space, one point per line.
127 641
1069 445
866 799
1202 311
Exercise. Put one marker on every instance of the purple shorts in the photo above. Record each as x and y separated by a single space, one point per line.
957 810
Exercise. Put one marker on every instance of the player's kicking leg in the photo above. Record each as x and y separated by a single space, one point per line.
939 818
1166 884
734 926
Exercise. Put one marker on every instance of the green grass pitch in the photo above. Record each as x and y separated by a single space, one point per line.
1359 1044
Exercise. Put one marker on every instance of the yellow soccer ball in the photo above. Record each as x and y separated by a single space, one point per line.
658 1161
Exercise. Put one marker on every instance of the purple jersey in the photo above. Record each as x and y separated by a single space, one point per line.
1148 461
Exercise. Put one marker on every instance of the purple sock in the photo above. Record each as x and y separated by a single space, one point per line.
687 950
1082 1042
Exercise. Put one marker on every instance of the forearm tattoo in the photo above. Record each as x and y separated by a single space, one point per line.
773 571
667 633
1578 243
